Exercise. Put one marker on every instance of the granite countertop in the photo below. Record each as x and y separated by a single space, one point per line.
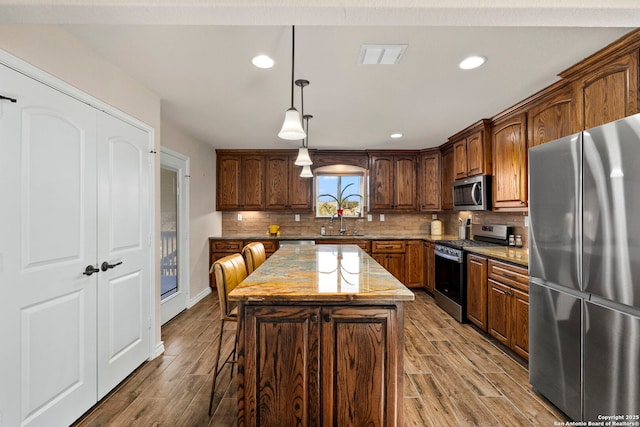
321 273
518 256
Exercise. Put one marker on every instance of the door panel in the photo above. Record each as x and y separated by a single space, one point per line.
123 236
47 309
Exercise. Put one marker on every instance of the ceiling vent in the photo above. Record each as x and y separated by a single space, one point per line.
381 54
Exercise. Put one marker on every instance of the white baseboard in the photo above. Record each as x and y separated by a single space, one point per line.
199 297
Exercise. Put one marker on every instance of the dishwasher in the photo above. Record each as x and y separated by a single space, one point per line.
296 242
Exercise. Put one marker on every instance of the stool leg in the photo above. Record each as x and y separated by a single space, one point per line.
215 369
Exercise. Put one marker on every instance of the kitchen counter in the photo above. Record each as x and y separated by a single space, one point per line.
518 256
338 236
320 337
320 273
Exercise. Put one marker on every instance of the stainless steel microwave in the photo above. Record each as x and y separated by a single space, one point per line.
472 194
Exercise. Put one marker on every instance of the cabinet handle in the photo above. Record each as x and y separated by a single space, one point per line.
509 276
327 318
314 318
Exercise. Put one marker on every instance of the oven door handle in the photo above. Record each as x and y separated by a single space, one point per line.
449 257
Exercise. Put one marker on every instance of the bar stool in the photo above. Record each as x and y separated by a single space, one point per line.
254 255
229 272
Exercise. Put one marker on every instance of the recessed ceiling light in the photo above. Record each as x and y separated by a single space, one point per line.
262 61
396 135
472 62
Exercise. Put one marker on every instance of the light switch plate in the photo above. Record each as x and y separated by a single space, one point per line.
526 220
239 217
434 216
369 217
381 217
298 217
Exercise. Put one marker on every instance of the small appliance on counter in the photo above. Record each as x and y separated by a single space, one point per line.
436 227
274 230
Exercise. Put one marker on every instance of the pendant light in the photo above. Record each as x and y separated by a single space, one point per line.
303 158
292 126
303 153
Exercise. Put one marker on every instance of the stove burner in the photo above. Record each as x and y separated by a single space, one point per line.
459 244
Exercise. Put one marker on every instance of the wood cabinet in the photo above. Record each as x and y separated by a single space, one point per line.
390 254
414 264
365 245
508 306
393 181
240 182
429 182
510 164
472 150
447 176
606 91
551 117
314 366
429 267
285 189
220 248
477 291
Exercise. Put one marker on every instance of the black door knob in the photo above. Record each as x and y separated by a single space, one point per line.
90 269
105 265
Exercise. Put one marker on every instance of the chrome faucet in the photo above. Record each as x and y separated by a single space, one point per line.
342 228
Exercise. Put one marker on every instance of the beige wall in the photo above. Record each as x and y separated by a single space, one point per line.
204 221
55 51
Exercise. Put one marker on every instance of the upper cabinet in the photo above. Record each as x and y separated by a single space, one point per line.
510 163
429 181
393 181
447 176
550 117
240 179
286 190
472 150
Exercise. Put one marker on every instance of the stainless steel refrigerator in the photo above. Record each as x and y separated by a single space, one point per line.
584 267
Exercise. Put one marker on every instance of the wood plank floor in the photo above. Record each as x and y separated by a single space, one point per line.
454 376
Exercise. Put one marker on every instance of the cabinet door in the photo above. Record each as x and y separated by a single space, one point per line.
229 186
498 311
447 178
414 264
382 183
393 263
252 183
429 267
281 349
510 165
475 154
550 120
406 184
429 182
460 159
520 323
608 94
300 189
477 291
277 182
359 366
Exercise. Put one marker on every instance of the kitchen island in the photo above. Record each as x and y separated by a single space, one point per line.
320 340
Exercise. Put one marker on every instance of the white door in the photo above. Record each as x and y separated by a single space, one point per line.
174 201
124 239
47 239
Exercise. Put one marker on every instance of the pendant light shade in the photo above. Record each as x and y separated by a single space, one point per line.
292 126
303 158
306 172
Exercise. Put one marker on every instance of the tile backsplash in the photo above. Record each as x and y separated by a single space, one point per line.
256 223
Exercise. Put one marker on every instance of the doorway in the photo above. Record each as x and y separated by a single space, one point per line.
174 202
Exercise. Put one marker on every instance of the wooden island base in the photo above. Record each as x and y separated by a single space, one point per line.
318 353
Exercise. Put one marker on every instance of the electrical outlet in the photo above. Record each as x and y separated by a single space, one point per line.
298 217
434 216
369 217
239 217
381 217
526 220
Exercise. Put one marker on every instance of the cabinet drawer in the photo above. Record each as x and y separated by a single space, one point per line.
365 245
388 246
270 246
508 274
231 246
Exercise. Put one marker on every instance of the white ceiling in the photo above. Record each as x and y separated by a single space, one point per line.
200 67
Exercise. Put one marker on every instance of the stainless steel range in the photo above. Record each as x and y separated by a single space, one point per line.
451 266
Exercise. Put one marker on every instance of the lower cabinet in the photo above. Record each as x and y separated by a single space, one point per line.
317 366
390 254
477 291
220 248
508 306
429 267
365 245
414 267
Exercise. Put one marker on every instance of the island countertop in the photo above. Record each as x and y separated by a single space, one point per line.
320 273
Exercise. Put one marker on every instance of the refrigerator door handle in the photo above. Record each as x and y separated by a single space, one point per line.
626 309
554 286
